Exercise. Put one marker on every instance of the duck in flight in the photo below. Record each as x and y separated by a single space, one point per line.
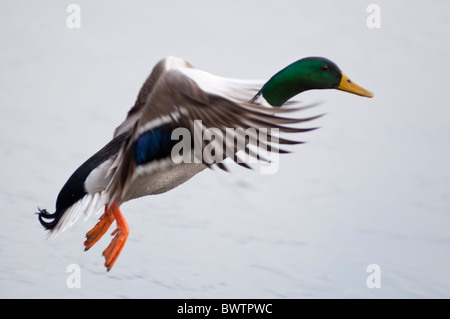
138 160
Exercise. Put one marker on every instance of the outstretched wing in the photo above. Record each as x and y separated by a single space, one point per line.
185 100
135 112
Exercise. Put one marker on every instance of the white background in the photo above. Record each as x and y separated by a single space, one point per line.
372 186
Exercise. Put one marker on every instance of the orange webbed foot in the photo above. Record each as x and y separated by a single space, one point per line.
99 229
112 252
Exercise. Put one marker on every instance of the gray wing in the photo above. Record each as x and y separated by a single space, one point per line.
134 113
177 102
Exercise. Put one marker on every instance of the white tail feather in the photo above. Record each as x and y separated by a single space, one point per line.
90 203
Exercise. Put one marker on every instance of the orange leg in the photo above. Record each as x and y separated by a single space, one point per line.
99 229
112 252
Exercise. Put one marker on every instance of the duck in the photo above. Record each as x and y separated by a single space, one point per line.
139 160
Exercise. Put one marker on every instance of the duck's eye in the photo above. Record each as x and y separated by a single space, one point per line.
324 68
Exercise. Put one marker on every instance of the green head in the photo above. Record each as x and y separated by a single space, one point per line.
308 74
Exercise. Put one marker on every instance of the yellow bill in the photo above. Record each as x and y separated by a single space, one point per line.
348 86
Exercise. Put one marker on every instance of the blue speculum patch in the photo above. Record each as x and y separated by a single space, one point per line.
153 144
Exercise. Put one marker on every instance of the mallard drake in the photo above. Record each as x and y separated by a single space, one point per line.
138 160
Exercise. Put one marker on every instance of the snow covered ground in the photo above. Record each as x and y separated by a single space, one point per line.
372 186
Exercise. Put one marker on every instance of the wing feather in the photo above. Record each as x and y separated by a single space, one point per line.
180 97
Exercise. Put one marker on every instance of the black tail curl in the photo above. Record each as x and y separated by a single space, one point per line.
53 219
